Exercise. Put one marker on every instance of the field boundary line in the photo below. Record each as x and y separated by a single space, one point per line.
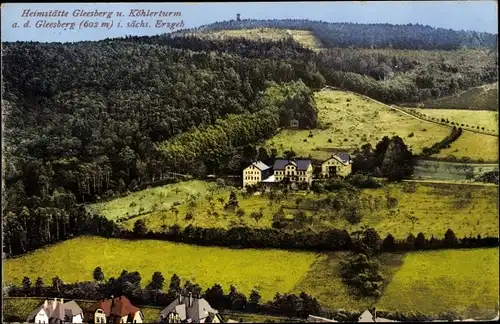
402 110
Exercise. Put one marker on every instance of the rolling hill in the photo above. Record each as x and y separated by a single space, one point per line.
483 97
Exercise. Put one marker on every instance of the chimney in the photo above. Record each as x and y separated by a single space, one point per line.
62 301
45 303
190 299
180 298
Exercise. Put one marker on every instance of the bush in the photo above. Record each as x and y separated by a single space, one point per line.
329 140
363 181
411 134
353 216
189 216
362 274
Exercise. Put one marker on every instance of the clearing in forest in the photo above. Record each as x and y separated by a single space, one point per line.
304 37
347 121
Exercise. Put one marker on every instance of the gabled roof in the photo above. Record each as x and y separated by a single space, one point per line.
344 158
32 315
366 317
300 164
261 166
71 309
61 310
58 312
199 309
119 306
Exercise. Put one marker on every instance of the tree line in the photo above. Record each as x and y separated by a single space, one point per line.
410 36
34 226
304 239
157 293
445 143
215 148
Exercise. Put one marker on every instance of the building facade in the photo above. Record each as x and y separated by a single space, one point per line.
256 173
295 171
339 165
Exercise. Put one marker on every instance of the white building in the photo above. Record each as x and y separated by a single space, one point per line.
57 311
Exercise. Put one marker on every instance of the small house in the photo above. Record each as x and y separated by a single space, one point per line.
256 173
189 309
338 165
57 311
114 310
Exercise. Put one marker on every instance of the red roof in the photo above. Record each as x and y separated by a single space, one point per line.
119 306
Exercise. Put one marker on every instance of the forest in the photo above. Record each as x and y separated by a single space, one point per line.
89 120
411 36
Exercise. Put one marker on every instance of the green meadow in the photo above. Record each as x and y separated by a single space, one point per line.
304 37
467 209
150 199
464 281
268 271
347 121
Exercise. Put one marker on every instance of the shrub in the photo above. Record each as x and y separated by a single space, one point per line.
353 216
133 204
411 134
329 140
363 181
189 216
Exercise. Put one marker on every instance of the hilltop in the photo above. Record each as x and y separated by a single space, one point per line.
367 35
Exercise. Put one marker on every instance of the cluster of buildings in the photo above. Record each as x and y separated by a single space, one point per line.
296 171
184 309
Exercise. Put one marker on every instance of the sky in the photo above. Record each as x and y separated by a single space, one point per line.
479 15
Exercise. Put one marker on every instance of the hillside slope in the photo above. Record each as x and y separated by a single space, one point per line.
369 35
484 97
304 37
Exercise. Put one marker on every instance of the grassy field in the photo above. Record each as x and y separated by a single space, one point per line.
304 37
465 281
349 121
473 118
473 145
150 199
441 170
332 293
437 207
481 98
269 271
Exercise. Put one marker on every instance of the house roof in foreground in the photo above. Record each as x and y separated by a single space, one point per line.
118 306
199 308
